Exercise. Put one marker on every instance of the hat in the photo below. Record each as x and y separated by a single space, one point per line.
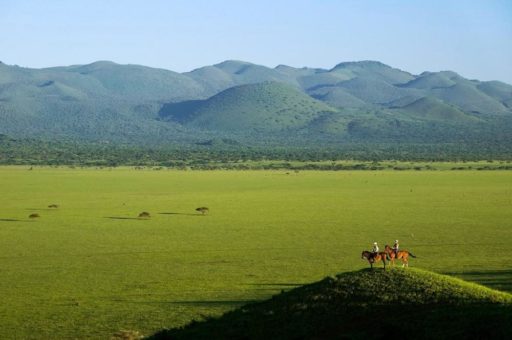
374 242
396 241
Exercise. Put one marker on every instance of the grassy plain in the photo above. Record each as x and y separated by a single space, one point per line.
91 268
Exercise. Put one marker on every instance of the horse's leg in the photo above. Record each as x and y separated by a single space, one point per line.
370 262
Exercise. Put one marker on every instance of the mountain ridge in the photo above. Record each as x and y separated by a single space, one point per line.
366 101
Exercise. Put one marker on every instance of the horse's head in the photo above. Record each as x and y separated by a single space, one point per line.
363 254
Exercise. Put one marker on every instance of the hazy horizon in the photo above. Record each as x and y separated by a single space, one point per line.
470 38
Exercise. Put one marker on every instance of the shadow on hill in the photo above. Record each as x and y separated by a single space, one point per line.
280 284
212 303
125 218
365 304
495 279
181 112
41 209
176 213
273 287
10 220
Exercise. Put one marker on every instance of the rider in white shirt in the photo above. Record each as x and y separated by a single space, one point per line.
375 249
395 247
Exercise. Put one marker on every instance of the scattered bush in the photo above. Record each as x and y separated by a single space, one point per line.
144 214
203 210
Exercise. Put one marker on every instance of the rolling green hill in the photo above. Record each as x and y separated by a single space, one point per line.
433 80
375 91
231 73
132 83
102 101
467 95
263 107
435 109
498 90
468 98
401 303
374 69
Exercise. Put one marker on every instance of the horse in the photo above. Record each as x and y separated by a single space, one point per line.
401 255
372 257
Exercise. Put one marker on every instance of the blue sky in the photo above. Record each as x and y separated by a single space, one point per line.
473 38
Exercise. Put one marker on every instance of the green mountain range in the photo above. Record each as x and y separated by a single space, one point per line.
363 101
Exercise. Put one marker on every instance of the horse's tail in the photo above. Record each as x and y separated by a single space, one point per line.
412 255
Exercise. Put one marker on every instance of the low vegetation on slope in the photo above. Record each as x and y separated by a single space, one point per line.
268 106
435 109
367 304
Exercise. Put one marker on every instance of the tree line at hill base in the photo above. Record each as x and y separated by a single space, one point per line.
227 154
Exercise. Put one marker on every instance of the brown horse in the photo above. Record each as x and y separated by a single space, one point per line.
373 258
401 255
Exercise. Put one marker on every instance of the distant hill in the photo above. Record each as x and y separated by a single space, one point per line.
497 90
231 73
104 79
435 109
373 69
100 101
366 304
262 107
364 101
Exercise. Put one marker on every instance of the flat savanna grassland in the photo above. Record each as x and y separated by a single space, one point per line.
91 268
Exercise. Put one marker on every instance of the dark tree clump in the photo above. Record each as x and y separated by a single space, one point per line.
203 210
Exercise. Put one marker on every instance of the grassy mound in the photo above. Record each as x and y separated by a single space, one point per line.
367 304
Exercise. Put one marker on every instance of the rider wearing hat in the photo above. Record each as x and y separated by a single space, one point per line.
395 248
375 249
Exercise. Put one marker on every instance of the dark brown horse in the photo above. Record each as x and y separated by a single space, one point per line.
401 255
373 258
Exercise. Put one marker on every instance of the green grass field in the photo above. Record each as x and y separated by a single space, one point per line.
91 268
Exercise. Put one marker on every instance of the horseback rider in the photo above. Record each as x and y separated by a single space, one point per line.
395 248
375 249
